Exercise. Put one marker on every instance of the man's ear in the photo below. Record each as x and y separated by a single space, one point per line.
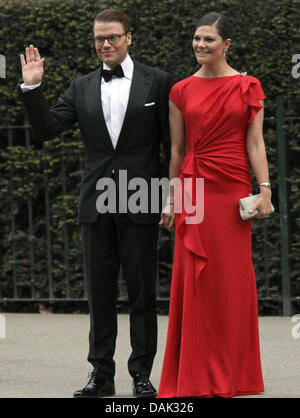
129 37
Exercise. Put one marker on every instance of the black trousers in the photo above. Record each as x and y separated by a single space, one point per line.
114 240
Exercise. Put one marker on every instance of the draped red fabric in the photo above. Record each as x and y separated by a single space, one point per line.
212 344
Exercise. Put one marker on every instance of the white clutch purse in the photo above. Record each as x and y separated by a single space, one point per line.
246 204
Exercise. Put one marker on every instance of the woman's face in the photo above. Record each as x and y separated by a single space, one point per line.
208 45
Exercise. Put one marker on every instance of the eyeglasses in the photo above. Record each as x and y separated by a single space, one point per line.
112 39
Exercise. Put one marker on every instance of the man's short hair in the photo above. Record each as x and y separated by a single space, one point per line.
113 15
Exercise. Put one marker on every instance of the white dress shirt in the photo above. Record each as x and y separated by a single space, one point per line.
114 98
25 88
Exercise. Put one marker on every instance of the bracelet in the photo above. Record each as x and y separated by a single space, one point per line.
265 184
170 200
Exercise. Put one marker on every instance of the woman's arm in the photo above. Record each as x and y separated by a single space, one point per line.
177 131
258 159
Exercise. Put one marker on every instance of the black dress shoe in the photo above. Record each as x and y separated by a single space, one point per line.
142 387
96 388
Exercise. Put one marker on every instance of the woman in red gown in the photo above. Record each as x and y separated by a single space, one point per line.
216 119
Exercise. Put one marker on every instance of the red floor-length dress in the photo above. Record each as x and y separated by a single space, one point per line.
212 344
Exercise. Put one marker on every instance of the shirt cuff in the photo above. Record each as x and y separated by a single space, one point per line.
26 88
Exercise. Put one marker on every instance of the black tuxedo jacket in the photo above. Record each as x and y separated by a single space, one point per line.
144 129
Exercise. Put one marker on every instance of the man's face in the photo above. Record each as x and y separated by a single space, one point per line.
115 53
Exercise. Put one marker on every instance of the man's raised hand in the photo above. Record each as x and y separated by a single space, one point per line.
32 66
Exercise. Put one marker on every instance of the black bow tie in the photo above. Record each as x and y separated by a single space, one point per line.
117 71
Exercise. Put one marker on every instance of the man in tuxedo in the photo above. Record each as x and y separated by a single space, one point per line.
122 111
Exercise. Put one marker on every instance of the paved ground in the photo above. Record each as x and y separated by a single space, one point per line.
44 356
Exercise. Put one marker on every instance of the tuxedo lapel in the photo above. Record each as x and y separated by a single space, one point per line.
94 106
140 87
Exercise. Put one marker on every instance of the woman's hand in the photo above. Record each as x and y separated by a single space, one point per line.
167 217
263 204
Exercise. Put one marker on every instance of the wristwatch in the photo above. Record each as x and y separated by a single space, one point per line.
265 184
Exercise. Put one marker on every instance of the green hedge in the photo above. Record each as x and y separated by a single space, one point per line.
265 37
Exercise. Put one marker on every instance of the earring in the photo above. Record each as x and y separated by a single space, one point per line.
225 51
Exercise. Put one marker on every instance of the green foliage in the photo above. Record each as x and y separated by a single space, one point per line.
265 37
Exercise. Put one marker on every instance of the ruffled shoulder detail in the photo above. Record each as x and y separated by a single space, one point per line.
252 92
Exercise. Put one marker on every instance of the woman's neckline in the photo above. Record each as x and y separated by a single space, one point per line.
213 78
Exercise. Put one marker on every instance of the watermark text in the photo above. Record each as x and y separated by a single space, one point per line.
2 326
139 196
296 328
2 66
296 67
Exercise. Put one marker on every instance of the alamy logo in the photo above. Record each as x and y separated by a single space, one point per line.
138 196
296 67
2 326
2 66
296 328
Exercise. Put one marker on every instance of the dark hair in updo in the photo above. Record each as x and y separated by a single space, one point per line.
218 20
